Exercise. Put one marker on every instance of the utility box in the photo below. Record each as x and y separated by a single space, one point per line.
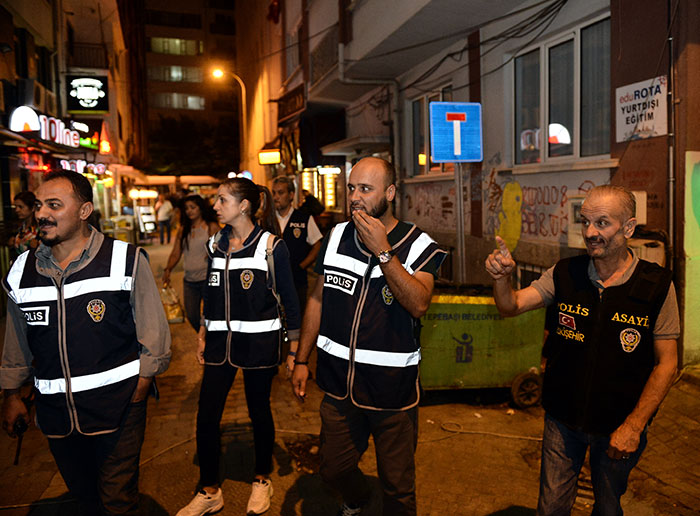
467 344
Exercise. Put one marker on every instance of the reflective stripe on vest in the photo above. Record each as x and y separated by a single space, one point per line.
366 356
244 326
257 261
89 381
340 260
117 280
418 246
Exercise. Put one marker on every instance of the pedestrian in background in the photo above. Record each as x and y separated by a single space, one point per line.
376 277
198 222
611 352
26 237
300 233
164 212
84 318
242 330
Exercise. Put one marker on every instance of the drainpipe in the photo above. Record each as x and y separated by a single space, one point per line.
396 120
671 150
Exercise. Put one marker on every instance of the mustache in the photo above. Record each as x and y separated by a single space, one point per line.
46 222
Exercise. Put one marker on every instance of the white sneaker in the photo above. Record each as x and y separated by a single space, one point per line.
348 510
259 500
203 503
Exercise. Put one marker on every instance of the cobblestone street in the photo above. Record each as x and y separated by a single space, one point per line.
476 455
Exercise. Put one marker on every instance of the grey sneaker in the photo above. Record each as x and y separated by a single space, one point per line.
203 503
259 500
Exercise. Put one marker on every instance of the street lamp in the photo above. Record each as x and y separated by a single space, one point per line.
219 73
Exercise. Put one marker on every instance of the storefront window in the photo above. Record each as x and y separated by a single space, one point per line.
527 108
561 99
595 89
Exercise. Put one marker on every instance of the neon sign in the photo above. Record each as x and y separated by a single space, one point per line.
25 119
83 167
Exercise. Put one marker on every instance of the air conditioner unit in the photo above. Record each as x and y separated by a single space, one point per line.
51 103
32 94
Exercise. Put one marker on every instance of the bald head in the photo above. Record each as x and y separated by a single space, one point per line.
378 165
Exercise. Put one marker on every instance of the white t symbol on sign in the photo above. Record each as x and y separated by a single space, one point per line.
456 119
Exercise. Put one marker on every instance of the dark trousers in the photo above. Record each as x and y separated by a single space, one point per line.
102 471
216 383
164 225
194 293
345 431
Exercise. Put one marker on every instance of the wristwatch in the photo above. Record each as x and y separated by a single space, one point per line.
385 256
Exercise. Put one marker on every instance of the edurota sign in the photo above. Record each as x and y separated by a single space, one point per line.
24 119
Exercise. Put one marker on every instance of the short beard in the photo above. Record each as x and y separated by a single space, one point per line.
49 242
380 209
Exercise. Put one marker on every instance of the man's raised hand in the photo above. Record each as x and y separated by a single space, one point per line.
499 264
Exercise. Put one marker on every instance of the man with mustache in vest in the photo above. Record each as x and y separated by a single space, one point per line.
611 352
85 320
376 278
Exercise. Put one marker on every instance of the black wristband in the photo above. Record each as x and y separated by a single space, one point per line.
292 353
301 362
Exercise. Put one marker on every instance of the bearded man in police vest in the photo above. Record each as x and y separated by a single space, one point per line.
375 281
610 353
299 232
84 319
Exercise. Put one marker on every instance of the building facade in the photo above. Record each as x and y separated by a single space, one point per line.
572 94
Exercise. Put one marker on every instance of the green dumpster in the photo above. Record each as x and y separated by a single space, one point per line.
467 344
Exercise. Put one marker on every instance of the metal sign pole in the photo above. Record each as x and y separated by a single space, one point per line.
459 201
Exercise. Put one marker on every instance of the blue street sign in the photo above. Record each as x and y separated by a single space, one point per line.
455 132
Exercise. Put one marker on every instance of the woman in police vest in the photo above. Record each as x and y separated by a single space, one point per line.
242 330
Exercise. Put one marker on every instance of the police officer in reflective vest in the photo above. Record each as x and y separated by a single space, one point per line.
610 352
299 232
376 277
85 319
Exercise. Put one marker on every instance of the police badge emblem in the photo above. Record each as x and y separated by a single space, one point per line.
247 278
297 232
96 309
629 338
387 295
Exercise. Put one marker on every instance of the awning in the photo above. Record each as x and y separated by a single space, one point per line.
128 171
357 145
152 180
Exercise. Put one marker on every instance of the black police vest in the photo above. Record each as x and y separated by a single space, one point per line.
83 339
295 235
600 349
368 344
240 311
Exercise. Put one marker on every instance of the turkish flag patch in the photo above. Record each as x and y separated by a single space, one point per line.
567 320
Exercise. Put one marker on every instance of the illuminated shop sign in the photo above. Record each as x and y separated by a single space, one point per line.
87 94
25 120
83 167
89 130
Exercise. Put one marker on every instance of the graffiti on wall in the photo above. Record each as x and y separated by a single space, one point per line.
431 206
542 202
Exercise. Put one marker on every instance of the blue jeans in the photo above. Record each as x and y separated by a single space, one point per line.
194 293
563 453
164 225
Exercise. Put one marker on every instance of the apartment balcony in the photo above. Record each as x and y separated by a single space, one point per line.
88 55
388 41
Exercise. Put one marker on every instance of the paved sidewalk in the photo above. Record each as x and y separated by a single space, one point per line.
476 455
